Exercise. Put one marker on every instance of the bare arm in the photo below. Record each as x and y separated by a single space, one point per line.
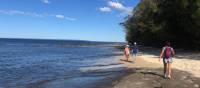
173 53
161 54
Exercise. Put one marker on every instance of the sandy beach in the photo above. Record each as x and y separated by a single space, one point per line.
147 72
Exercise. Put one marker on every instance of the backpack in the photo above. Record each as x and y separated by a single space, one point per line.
168 52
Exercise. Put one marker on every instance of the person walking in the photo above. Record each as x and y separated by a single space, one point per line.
134 51
167 55
127 52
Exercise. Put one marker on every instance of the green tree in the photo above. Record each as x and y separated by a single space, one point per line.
155 21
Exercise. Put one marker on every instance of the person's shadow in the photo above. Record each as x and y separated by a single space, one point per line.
153 73
126 60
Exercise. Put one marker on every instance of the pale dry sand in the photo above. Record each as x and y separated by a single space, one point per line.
148 73
189 65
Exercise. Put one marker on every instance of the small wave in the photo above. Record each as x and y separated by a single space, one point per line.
100 68
99 65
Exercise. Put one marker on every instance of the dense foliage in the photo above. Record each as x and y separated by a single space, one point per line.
156 21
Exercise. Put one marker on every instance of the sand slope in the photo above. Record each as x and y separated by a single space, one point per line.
189 65
147 73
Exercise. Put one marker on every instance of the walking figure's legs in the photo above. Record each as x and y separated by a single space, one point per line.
165 70
169 70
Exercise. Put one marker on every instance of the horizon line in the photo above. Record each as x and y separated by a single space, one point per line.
59 39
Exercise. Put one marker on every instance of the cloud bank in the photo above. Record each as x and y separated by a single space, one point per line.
32 14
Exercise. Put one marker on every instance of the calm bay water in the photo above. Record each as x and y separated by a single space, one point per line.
56 64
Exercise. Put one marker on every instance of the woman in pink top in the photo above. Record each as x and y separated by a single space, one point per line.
127 52
167 55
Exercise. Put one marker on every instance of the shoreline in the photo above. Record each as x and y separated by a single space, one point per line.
109 82
147 72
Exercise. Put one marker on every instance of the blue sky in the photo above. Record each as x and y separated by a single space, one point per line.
95 20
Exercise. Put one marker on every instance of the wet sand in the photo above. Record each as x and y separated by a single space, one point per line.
147 72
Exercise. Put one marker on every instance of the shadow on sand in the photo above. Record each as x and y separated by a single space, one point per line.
126 60
153 78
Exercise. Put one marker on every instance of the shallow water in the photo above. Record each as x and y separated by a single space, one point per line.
56 64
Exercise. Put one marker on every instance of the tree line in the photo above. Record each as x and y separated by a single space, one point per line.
156 21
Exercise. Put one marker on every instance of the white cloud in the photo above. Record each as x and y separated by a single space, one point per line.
69 18
105 9
46 1
32 14
60 16
64 17
125 10
120 7
17 12
116 5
